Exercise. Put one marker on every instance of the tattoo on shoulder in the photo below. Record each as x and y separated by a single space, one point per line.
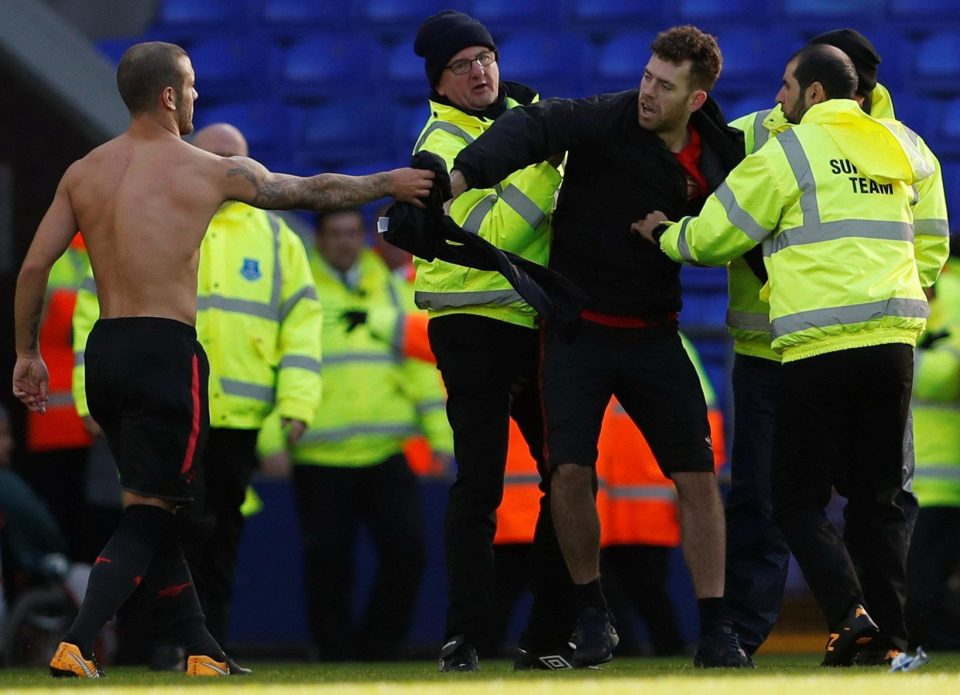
320 192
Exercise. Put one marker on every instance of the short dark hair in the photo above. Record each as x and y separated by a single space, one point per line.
145 70
829 66
320 218
689 43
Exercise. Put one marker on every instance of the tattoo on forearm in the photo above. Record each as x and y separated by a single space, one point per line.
320 192
35 328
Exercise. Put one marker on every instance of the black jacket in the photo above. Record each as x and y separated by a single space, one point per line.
616 173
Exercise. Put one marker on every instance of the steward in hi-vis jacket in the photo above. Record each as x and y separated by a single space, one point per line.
757 553
485 340
831 202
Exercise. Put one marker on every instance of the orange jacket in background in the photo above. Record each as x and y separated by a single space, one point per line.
637 504
60 427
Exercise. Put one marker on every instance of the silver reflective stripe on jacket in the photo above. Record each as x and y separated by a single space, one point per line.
748 321
258 392
340 433
446 127
760 133
846 315
450 300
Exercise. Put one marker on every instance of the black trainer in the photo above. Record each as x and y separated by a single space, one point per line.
459 655
720 648
594 638
238 670
558 659
849 637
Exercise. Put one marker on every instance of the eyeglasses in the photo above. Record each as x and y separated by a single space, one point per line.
462 66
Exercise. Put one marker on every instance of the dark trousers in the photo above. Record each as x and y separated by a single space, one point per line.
490 369
840 421
757 553
635 579
933 559
512 566
332 503
212 524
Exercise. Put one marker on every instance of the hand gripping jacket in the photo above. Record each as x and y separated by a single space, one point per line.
258 320
831 202
514 215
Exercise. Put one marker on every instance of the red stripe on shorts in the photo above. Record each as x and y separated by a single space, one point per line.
195 428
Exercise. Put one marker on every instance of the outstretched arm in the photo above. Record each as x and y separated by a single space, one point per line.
51 240
250 182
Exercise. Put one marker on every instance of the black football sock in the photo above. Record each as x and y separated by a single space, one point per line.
118 571
172 588
589 595
711 612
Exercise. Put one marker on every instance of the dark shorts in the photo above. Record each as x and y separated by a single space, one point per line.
146 381
649 372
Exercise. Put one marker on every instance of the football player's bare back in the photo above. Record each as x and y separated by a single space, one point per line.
143 202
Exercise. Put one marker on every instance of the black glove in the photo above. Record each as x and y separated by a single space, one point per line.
931 338
353 318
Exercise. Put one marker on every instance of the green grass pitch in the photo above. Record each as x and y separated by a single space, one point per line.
775 675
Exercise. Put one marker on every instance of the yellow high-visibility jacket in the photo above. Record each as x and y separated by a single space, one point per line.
514 216
936 399
831 201
374 397
258 319
748 314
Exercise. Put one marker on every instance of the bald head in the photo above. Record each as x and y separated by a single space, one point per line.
222 139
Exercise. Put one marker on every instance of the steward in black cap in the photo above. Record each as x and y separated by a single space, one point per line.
443 35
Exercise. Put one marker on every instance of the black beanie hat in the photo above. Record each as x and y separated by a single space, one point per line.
445 34
864 56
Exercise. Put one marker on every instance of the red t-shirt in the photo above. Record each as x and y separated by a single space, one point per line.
689 160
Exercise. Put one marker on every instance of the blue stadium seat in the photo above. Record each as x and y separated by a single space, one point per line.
228 66
951 184
621 60
754 60
402 17
704 311
702 280
610 16
265 125
189 14
922 14
896 56
499 15
826 14
304 15
706 14
327 64
552 63
344 131
403 72
408 123
937 63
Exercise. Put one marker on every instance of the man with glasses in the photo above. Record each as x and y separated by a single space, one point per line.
485 340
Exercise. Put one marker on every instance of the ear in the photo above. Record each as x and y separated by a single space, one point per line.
697 99
816 93
168 98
